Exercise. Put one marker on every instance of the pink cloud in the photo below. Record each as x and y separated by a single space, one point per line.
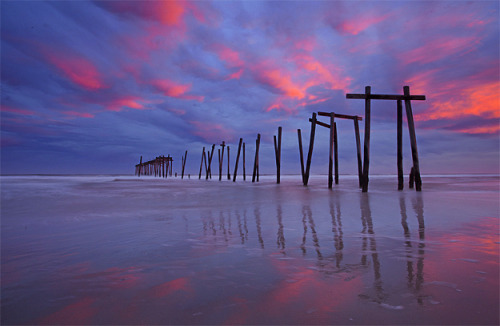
5 108
79 114
79 70
211 132
439 49
131 102
173 89
360 23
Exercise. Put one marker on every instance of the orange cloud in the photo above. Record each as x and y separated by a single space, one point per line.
460 101
438 49
131 102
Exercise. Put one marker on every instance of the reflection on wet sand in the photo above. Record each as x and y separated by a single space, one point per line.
418 207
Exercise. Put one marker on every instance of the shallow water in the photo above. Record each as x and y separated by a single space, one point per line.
128 250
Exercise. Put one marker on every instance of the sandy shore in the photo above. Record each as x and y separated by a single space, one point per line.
128 250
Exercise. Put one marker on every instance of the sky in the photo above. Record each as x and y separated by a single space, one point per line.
91 86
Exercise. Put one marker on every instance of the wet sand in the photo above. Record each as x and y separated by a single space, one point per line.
128 250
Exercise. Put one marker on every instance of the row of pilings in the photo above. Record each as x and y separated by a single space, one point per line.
161 166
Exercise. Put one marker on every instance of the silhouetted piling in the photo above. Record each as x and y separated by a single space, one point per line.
310 151
256 161
244 168
203 158
277 152
413 138
400 144
228 171
331 150
301 154
237 159
184 164
221 159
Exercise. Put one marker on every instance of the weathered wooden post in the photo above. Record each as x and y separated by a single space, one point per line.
237 159
210 156
301 157
413 138
277 152
311 145
171 163
358 151
330 156
400 144
201 163
366 155
140 166
221 159
336 153
412 177
256 161
184 164
228 172
244 169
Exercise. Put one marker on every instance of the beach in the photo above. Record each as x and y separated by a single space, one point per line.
144 250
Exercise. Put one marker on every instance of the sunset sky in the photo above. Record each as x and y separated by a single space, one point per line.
90 86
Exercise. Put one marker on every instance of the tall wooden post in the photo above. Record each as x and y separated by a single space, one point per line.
184 164
140 166
244 168
163 165
301 157
256 161
228 172
171 163
218 149
400 145
330 156
411 178
210 156
311 145
358 152
221 159
336 153
237 159
366 156
277 153
413 139
201 163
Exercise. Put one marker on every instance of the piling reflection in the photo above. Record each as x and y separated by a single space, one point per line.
338 234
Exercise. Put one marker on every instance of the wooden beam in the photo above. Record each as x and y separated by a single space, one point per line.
330 156
386 97
366 156
256 161
301 156
311 145
341 116
413 139
244 168
336 153
358 152
201 163
322 124
400 144
237 159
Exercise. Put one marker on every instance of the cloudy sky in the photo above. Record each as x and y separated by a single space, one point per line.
90 86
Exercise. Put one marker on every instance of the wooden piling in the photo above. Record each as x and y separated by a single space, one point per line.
237 159
228 172
171 163
310 151
400 144
219 164
244 168
330 156
221 159
301 156
413 138
256 161
140 166
366 156
412 178
277 153
336 153
209 168
184 164
203 157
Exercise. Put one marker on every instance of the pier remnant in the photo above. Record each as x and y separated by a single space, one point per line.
256 161
277 153
237 159
407 98
184 164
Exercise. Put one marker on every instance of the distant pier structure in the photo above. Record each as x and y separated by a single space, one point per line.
161 166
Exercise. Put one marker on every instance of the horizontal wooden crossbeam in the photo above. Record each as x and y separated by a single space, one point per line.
341 116
322 124
386 97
